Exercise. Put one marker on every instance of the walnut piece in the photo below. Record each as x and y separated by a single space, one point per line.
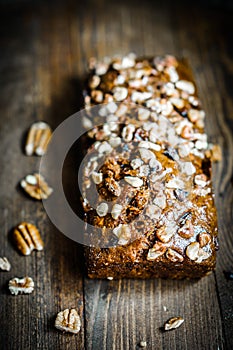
27 238
173 323
157 250
68 320
21 285
36 187
4 264
38 138
174 256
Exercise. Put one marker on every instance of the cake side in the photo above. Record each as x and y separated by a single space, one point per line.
150 169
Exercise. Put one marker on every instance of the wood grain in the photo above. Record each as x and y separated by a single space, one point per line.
45 48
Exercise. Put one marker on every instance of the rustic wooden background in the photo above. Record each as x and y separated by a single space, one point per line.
44 49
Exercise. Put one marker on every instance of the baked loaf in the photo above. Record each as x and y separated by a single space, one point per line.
147 175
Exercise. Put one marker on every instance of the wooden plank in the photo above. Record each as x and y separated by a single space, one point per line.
34 71
213 68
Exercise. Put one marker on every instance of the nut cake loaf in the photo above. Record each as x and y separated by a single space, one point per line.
147 172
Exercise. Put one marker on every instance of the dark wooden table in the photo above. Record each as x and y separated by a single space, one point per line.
44 49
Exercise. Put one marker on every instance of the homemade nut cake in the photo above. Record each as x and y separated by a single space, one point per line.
147 176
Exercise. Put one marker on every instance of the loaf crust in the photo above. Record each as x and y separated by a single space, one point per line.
147 172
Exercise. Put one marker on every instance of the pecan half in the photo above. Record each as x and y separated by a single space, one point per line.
68 320
21 285
27 238
38 138
36 187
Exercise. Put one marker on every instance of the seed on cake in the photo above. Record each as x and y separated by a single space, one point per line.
134 181
192 250
127 132
116 210
177 102
136 163
186 86
149 145
204 238
165 234
97 96
174 256
143 114
102 209
97 177
94 81
157 250
36 187
200 180
146 154
120 93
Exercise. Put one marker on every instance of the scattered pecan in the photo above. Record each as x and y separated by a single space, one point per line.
27 238
21 285
36 186
4 264
173 323
68 320
38 138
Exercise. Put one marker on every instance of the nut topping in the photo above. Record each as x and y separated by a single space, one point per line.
120 93
123 233
21 285
204 238
36 187
188 168
174 256
186 231
203 255
149 145
38 139
186 86
4 264
68 320
192 250
97 96
165 234
157 250
94 82
146 154
200 180
97 177
143 114
27 238
136 163
173 323
134 181
102 209
116 210
127 132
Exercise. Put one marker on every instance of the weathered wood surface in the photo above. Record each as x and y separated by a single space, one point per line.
44 50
